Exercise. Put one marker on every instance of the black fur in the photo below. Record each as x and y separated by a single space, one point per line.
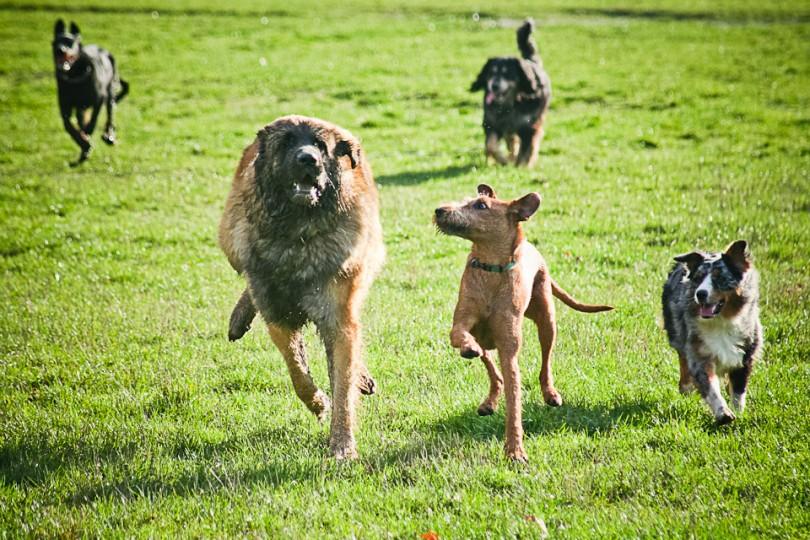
86 79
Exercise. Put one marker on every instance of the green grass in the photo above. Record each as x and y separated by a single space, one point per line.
124 410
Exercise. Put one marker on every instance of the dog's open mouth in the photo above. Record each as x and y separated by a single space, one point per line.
306 191
709 311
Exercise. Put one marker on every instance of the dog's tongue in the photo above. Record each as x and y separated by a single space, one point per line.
490 97
707 310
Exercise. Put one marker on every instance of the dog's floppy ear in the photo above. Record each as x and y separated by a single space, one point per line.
486 190
528 78
59 27
349 148
692 260
74 28
738 256
525 206
480 82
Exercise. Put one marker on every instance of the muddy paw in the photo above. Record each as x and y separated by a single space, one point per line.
367 385
726 417
471 353
82 157
344 450
485 409
686 388
518 455
552 398
109 138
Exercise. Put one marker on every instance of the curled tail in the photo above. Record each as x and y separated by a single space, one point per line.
124 90
571 302
526 44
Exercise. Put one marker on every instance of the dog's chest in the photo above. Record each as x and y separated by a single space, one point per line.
724 341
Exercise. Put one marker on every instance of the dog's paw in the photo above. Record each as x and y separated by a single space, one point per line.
725 417
471 352
343 450
367 385
552 397
109 138
82 157
320 406
517 455
486 409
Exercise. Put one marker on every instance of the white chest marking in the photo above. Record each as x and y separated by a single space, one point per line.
722 340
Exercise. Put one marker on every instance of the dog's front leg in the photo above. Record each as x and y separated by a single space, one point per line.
708 385
91 125
460 336
78 136
493 149
291 345
508 350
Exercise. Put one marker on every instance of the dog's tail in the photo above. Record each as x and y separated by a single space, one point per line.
571 302
525 41
124 90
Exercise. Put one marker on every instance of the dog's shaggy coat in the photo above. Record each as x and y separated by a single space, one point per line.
302 224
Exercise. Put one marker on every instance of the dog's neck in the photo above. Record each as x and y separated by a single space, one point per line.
497 253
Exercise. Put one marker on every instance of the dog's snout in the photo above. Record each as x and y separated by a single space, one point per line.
308 156
440 212
702 295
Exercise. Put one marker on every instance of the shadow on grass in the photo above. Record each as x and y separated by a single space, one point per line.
669 15
411 178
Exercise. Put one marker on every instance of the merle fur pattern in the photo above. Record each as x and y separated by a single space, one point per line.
517 93
87 79
711 315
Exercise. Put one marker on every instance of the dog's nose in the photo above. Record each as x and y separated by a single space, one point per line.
307 157
440 212
702 295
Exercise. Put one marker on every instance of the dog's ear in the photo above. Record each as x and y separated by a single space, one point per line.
738 256
692 260
486 190
59 27
528 78
526 206
480 82
74 28
349 148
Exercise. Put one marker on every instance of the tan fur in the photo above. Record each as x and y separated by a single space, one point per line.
491 305
250 242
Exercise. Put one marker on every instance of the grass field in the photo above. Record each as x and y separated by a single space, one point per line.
124 411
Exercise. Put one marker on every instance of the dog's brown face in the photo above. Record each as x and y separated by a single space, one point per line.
66 46
302 160
502 79
486 217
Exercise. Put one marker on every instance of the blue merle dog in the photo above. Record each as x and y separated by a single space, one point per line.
711 315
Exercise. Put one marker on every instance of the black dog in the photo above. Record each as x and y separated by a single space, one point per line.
517 92
86 78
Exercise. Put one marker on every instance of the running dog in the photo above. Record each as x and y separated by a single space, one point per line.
86 79
301 223
517 93
505 279
711 315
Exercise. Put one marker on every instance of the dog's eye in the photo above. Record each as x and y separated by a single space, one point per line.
480 205
321 145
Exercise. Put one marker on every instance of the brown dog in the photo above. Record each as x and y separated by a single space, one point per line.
302 224
505 279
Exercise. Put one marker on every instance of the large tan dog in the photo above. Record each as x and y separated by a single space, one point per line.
302 224
505 279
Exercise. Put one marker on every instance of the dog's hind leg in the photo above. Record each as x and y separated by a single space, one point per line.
508 344
513 145
487 406
530 145
492 148
365 382
78 137
685 383
91 125
291 345
109 129
542 311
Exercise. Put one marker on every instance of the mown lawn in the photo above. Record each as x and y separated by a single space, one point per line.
124 410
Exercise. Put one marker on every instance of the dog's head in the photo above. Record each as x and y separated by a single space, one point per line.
66 45
503 79
714 278
486 218
303 160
